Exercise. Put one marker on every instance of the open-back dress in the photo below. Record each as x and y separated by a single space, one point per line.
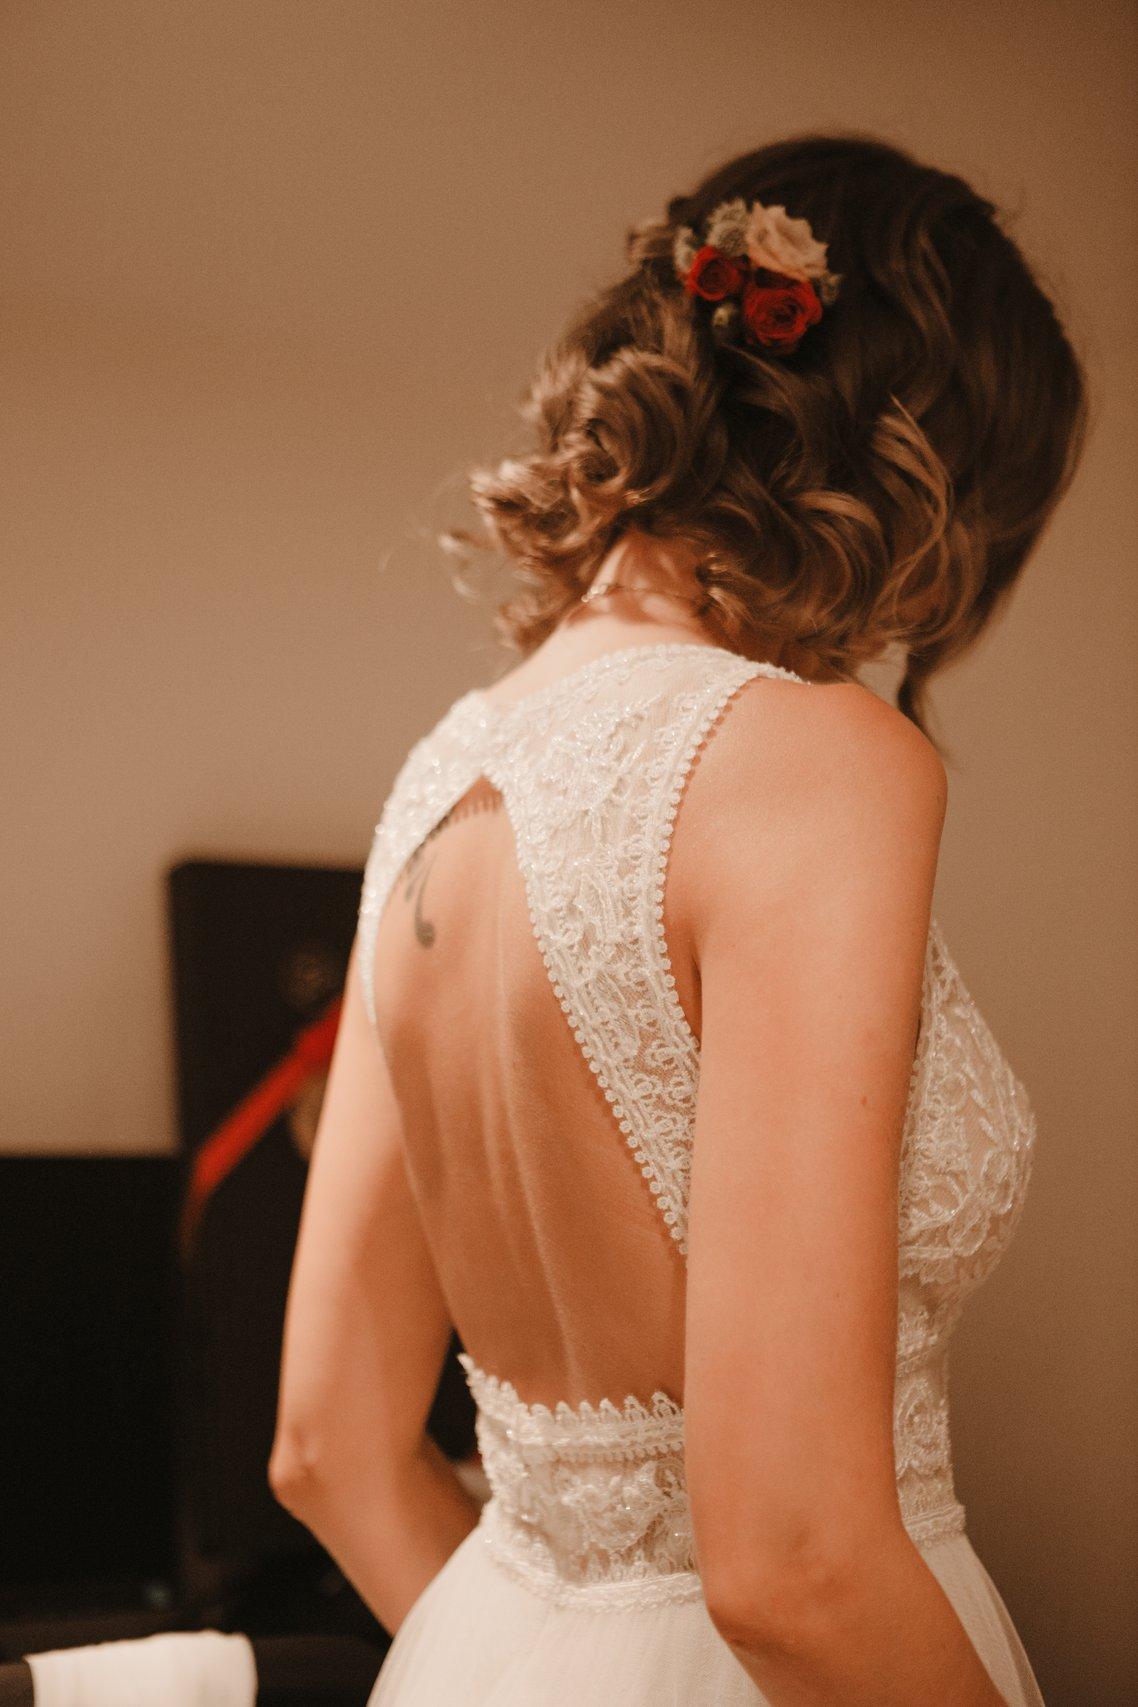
517 971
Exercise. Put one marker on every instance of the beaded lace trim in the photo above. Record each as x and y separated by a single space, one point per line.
583 1427
589 1502
591 1499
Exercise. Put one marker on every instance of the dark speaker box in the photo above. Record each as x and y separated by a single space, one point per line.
86 1310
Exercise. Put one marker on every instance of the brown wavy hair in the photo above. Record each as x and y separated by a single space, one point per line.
883 484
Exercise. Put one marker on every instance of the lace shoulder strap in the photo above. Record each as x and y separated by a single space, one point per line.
436 773
593 786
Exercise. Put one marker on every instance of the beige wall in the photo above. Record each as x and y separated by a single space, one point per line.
272 274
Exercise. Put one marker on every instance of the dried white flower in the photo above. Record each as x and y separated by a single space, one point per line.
827 287
724 320
685 249
727 227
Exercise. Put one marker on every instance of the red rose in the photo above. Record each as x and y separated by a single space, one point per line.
713 275
778 309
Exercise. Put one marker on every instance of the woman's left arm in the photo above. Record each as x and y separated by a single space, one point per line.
366 1331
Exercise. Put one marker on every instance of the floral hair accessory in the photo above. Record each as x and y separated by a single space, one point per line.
764 272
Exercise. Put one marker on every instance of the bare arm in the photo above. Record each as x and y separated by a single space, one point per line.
810 887
366 1331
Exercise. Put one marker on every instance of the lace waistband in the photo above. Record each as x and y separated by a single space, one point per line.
589 1502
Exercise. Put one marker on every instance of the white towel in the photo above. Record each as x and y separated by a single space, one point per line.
195 1669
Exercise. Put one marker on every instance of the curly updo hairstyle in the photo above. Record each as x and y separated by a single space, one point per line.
882 485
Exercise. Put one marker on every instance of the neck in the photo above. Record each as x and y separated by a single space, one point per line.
643 583
666 566
647 582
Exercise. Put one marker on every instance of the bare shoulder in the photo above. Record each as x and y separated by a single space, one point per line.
798 786
820 746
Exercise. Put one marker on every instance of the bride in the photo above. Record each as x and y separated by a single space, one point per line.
656 1076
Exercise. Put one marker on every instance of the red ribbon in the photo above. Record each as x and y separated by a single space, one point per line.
244 1128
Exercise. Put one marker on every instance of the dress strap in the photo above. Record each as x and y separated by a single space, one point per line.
595 799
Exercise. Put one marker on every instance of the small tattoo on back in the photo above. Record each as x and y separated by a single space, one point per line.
482 797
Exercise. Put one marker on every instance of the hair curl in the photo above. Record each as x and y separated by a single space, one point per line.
882 485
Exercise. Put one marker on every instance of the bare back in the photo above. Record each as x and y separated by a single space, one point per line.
527 1002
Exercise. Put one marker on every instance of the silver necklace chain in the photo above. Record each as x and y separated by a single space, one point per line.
644 587
638 587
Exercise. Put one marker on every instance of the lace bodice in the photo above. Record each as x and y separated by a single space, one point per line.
588 1501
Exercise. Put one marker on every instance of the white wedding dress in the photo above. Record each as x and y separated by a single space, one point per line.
554 1201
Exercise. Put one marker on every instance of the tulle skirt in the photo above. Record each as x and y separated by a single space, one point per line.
476 1636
